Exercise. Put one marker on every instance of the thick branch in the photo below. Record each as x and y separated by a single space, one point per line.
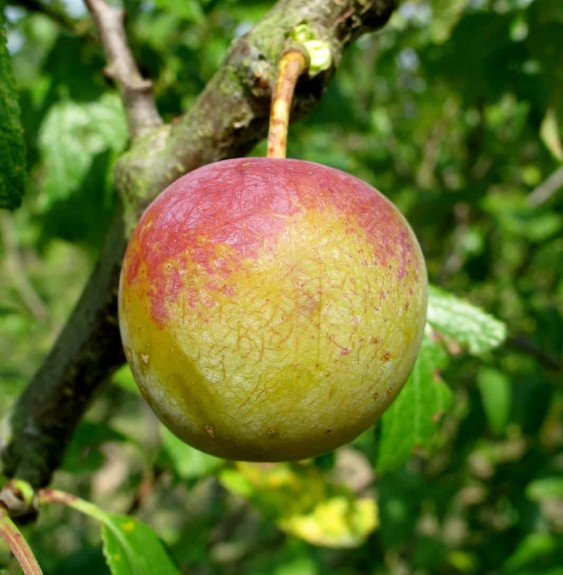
227 120
136 92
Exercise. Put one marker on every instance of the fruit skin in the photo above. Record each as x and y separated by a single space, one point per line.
271 309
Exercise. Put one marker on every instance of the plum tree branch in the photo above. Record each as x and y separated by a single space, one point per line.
229 117
136 92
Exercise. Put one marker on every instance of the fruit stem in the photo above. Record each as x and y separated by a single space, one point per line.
290 66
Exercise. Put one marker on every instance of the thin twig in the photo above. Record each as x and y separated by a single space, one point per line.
137 92
527 346
547 188
455 256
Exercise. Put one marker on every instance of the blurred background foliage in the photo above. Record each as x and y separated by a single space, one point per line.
455 112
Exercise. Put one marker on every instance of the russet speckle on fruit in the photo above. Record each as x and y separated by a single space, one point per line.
271 309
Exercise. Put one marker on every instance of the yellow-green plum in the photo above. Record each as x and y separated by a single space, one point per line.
271 309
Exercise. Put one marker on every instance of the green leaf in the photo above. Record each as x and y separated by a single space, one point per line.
496 395
73 134
545 488
399 495
12 145
550 10
188 462
468 325
446 14
535 550
84 453
409 424
190 10
515 215
132 548
297 566
124 379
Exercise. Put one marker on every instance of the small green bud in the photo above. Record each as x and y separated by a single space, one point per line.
318 51
320 56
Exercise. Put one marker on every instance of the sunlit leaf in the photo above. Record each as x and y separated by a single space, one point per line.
73 134
461 321
336 522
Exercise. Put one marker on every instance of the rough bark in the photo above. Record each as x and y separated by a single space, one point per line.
227 120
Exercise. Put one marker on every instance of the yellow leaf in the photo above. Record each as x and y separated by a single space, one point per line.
336 522
302 501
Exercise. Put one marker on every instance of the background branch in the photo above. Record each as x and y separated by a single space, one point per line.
136 92
227 120
547 189
528 347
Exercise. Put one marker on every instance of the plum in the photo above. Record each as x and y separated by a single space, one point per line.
271 309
